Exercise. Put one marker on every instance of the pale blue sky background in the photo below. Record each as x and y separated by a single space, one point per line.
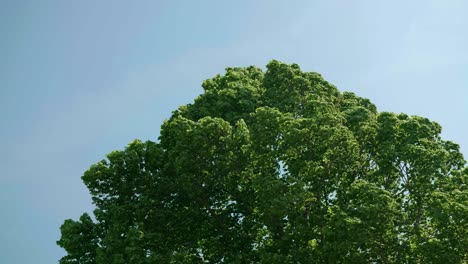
81 78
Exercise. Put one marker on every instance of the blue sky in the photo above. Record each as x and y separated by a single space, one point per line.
79 79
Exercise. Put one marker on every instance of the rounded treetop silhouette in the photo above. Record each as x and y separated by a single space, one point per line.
277 167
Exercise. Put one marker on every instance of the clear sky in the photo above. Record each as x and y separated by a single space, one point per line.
79 79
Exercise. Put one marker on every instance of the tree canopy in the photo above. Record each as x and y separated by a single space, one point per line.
277 167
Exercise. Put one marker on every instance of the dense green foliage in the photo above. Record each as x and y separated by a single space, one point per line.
277 167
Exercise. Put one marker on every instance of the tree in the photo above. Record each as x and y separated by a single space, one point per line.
277 167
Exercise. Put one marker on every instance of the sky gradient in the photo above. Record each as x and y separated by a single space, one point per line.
79 79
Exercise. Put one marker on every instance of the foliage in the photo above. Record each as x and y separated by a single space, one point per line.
277 167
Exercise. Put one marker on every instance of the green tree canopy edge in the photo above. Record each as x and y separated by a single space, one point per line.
277 167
